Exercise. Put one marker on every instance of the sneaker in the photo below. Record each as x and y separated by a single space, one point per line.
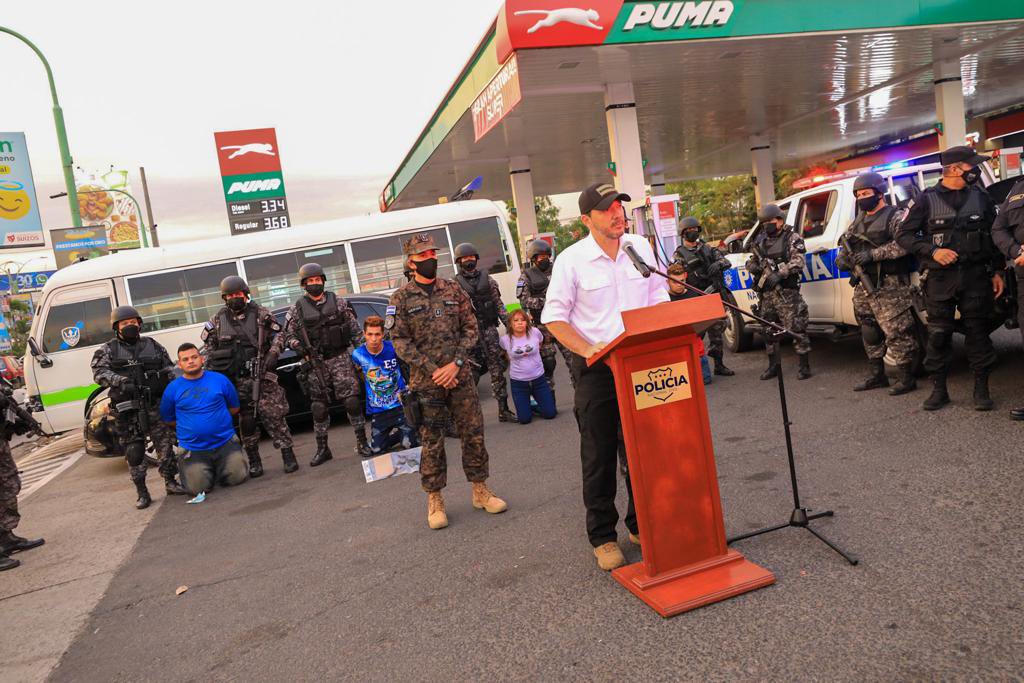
609 556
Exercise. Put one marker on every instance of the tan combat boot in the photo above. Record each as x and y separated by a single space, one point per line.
484 499
436 516
609 556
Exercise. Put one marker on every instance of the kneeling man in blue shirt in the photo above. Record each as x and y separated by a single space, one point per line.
200 406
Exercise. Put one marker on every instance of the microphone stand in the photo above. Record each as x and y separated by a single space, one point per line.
800 516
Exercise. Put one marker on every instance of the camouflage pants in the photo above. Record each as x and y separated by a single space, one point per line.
551 346
341 375
464 405
272 409
497 361
10 487
786 307
162 437
886 320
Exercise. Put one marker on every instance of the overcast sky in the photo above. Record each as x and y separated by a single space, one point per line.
348 87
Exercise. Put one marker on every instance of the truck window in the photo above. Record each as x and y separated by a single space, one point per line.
484 234
273 280
181 297
814 213
379 262
76 325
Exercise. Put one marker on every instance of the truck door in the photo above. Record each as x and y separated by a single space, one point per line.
816 220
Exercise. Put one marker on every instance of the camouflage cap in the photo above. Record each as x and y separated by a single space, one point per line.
417 244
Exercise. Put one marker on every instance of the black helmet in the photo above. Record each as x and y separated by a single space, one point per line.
872 181
123 313
465 249
233 284
537 248
310 270
770 212
689 223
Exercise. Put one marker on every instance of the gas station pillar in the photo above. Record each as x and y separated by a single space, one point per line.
523 199
949 103
657 184
624 140
764 177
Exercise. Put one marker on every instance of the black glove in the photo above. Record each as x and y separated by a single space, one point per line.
862 258
270 361
128 387
773 280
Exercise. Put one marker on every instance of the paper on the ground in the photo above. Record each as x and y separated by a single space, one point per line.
392 464
198 499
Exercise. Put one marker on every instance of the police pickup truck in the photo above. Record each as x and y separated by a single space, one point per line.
820 213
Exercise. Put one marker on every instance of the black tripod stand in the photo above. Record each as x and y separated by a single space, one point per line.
799 517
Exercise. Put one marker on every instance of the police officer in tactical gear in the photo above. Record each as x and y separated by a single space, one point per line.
532 291
485 295
136 370
705 267
323 329
1008 234
880 274
948 229
776 265
241 341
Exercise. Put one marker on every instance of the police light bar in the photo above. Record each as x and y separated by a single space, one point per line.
814 181
891 166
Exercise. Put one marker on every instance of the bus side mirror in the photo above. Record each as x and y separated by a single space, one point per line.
33 348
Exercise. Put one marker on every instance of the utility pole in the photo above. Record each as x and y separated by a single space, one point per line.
149 207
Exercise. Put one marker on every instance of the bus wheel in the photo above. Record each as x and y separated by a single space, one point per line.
738 338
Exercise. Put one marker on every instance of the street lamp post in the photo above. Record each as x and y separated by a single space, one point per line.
143 230
62 133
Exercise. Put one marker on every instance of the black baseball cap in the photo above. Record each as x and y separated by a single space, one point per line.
600 196
962 153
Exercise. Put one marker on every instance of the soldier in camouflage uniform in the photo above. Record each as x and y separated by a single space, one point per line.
705 266
323 329
885 315
776 264
112 368
10 486
485 295
434 329
236 339
532 291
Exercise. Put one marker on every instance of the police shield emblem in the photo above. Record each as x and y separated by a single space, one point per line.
71 336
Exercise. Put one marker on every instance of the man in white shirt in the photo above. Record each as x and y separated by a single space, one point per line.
593 281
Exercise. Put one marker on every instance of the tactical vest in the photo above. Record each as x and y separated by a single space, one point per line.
236 342
325 325
877 231
537 283
697 262
965 231
778 253
146 353
479 291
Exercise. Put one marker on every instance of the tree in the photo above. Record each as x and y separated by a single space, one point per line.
19 327
567 234
547 220
722 205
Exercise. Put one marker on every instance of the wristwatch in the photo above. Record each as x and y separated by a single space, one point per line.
458 362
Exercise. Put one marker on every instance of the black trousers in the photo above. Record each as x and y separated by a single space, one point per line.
597 414
968 288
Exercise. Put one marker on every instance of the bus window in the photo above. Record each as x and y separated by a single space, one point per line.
814 213
181 297
91 318
379 262
274 280
485 236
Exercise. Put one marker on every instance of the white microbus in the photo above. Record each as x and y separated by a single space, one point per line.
176 288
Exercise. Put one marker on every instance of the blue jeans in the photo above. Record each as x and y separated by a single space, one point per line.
540 389
705 369
389 430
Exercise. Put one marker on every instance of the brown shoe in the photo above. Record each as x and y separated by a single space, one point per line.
609 556
484 499
436 516
634 538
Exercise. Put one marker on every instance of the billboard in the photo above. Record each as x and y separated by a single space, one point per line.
72 244
250 170
25 282
20 224
102 202
497 100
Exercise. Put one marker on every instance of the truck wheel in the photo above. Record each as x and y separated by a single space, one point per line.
738 338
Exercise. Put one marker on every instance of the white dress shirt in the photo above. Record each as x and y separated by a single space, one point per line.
589 291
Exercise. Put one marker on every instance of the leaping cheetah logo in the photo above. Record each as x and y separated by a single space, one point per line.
570 15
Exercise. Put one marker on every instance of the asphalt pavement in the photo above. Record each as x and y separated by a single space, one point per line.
320 576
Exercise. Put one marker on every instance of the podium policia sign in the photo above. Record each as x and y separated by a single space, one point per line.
686 562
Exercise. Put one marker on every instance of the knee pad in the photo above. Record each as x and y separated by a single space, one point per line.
134 452
319 410
872 333
353 406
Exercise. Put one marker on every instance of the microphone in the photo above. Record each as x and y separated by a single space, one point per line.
638 262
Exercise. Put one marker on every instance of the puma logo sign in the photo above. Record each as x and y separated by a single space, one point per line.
251 148
569 15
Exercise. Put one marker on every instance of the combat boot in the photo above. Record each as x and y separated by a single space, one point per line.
172 487
982 400
504 414
11 543
939 396
720 367
804 371
436 516
288 458
323 453
8 562
906 382
484 499
773 369
362 448
876 378
144 500
255 464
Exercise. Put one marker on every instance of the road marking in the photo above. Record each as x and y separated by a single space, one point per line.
38 469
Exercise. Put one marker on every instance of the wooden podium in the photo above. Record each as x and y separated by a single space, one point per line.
686 563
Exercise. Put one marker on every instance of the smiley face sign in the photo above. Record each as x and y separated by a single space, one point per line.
14 200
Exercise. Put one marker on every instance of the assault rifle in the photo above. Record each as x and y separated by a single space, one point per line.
768 267
314 358
858 271
136 408
256 370
17 420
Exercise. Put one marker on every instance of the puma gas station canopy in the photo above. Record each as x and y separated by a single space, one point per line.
556 95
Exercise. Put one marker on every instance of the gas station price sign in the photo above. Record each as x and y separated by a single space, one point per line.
253 184
258 215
